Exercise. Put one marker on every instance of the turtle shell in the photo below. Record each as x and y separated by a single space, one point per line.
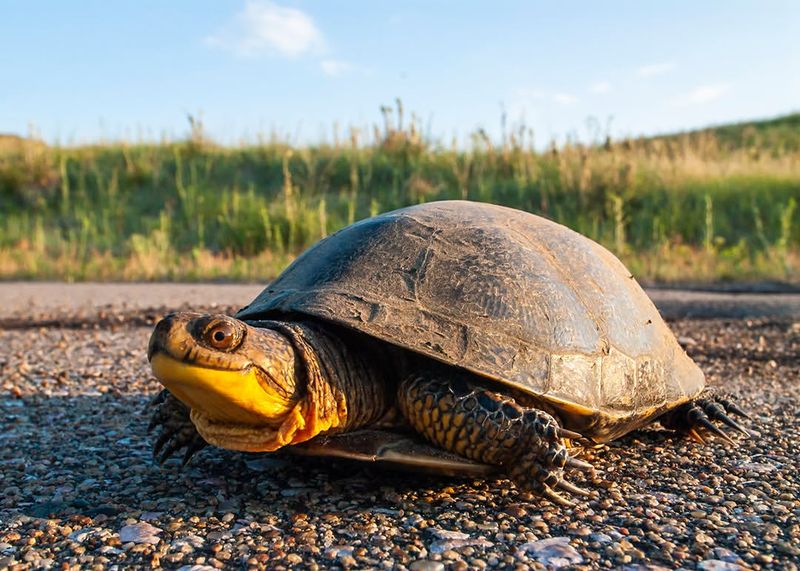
508 295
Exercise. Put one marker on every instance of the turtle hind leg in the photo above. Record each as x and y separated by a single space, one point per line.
698 415
176 429
491 428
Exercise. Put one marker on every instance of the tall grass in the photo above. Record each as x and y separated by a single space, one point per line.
700 206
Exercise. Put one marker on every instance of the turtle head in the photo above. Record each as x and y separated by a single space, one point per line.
238 380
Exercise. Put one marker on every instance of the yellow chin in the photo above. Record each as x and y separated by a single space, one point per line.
235 397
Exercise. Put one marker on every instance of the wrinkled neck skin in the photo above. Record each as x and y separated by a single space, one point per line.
339 384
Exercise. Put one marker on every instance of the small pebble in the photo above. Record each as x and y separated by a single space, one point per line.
140 533
554 552
718 565
426 565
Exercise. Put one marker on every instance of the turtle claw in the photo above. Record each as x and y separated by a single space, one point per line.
159 398
573 462
573 489
163 438
711 427
699 414
564 433
175 442
557 498
696 436
730 406
177 430
735 425
193 448
170 443
736 410
162 413
541 471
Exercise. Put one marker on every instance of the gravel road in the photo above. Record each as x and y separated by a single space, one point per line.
78 489
49 300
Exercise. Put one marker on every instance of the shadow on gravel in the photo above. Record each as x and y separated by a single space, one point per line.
91 456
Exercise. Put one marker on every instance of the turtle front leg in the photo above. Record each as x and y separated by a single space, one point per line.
492 428
697 415
176 428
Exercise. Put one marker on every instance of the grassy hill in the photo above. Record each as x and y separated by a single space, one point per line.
777 135
708 205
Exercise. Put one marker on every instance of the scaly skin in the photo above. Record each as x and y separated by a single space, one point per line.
491 428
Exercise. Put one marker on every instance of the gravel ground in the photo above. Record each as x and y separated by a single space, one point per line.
78 488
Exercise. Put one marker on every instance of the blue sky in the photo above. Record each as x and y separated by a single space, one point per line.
94 69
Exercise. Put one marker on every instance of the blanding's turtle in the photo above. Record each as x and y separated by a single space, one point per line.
454 336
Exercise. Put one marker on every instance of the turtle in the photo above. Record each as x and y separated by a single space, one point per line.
453 336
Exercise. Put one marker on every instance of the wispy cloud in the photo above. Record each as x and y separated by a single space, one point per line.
654 69
335 67
266 28
703 94
600 87
564 98
527 99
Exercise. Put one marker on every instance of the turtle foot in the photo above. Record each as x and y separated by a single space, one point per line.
540 470
176 430
696 417
492 428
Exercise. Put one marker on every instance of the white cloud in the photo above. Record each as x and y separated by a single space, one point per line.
600 87
526 101
703 94
335 67
654 69
264 27
564 98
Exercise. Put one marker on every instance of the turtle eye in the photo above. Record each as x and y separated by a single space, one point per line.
221 335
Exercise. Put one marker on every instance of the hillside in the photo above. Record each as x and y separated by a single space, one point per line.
708 205
779 134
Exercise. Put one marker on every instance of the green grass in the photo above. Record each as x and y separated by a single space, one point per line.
716 204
